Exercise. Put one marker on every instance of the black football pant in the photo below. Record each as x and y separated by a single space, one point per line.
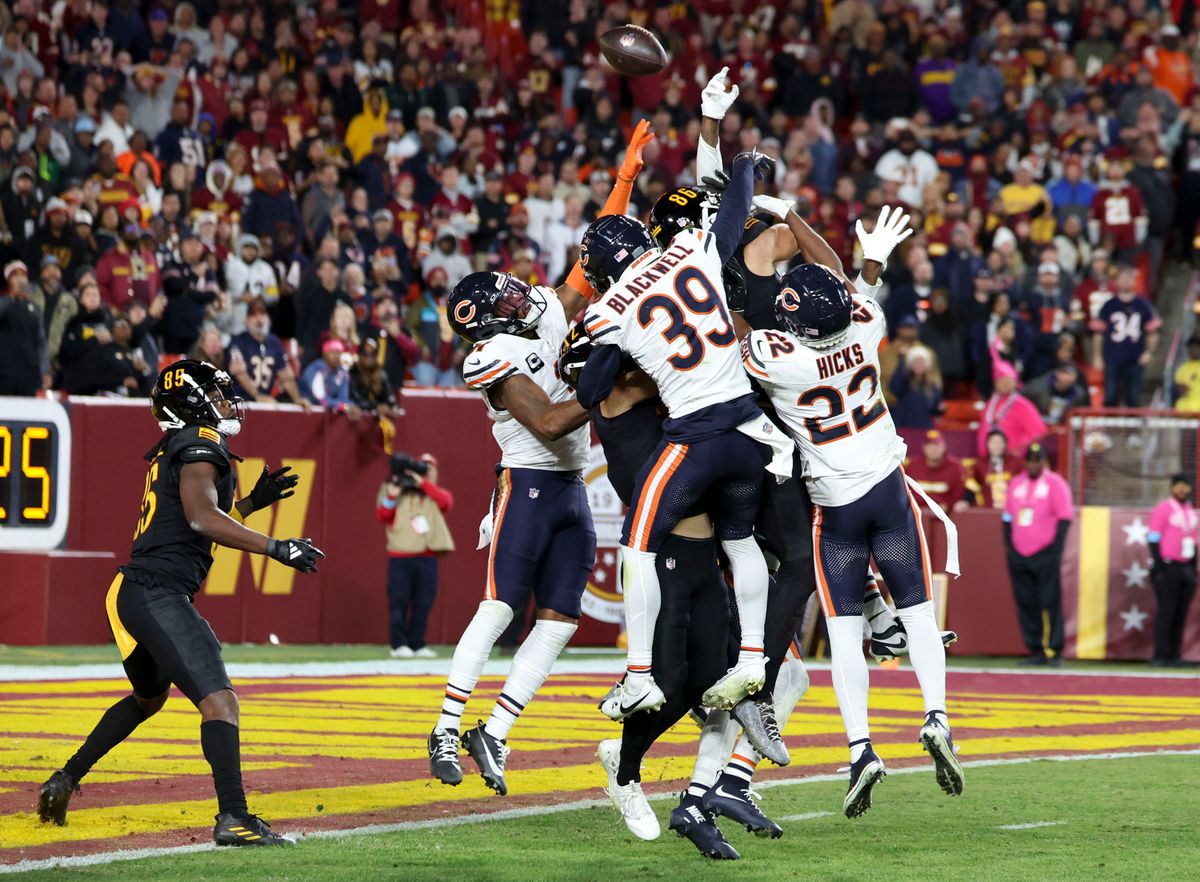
411 589
1037 589
1174 589
783 527
690 640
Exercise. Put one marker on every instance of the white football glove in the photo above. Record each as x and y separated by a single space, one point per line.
891 229
774 205
714 100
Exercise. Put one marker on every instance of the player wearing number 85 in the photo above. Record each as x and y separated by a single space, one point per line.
665 307
188 506
822 375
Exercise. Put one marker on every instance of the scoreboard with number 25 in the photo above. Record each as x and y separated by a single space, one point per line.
35 473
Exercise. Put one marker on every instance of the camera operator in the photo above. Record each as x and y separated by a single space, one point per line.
411 505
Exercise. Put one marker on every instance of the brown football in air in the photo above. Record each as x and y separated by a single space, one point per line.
633 51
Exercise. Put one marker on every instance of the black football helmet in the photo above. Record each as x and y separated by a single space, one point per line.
485 304
610 244
573 354
684 208
814 305
188 392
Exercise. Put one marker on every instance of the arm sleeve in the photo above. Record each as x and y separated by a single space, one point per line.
602 326
1156 549
708 160
1158 522
735 208
1060 534
1063 507
486 367
866 289
599 375
1006 530
441 497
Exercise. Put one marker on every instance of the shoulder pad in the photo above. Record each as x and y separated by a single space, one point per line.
755 227
199 444
488 364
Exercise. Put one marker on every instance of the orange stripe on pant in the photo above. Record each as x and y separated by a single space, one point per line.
926 569
505 491
822 586
643 521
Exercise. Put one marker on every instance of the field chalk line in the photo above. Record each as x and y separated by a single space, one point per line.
1030 826
90 860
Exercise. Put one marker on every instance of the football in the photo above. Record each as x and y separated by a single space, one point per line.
633 51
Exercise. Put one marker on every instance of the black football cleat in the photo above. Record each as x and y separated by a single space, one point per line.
246 830
443 756
864 775
731 798
938 743
490 754
55 797
691 821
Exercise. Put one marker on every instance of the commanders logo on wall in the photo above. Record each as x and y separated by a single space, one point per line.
602 600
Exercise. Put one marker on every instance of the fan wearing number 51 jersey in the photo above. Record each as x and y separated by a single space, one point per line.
822 375
665 308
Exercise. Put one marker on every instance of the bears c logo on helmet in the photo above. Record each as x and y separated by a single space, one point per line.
464 312
788 299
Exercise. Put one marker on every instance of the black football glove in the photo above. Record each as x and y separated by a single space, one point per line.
299 554
717 181
764 166
272 487
573 354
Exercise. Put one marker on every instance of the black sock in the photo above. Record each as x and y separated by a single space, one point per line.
115 726
222 748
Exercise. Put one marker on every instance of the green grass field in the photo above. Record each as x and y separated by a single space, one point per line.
1117 819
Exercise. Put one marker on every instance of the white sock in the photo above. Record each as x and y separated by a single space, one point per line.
716 740
851 681
639 581
750 585
790 686
878 613
530 667
470 655
927 654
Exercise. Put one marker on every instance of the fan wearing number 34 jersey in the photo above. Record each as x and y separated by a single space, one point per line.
822 375
665 308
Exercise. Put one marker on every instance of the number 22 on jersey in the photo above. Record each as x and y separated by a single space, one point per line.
694 298
830 427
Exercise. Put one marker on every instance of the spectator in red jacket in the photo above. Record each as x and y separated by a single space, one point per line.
991 474
940 475
128 272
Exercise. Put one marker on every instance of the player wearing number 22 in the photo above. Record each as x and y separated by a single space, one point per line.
822 376
188 507
666 308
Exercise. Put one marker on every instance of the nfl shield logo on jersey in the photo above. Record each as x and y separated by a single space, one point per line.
670 563
533 492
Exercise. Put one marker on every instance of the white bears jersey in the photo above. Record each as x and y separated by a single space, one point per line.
668 311
505 355
831 403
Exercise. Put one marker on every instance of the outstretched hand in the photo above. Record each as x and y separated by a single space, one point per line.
631 165
718 96
891 228
272 487
764 166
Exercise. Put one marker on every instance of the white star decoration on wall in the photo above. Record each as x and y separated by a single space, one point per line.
1135 619
1136 533
1136 575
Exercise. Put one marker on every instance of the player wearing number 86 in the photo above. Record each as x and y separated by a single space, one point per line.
189 505
665 307
822 375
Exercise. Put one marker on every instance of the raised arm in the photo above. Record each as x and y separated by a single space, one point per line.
735 204
716 99
782 241
576 293
891 228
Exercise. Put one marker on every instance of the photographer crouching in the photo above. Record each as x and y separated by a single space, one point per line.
412 506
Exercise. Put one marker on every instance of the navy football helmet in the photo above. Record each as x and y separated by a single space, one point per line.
610 244
191 393
814 305
485 304
684 208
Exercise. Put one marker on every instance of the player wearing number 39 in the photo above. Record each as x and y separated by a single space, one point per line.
188 506
665 308
822 375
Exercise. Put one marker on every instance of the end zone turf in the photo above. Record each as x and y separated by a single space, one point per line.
329 753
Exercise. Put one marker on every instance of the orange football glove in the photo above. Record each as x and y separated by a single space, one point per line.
632 163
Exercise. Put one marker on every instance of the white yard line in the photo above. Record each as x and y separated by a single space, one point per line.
1030 826
496 667
89 860
807 816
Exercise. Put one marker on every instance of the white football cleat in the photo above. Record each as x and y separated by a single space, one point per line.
621 701
744 678
628 798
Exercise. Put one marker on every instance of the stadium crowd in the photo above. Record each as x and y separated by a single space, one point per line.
291 190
